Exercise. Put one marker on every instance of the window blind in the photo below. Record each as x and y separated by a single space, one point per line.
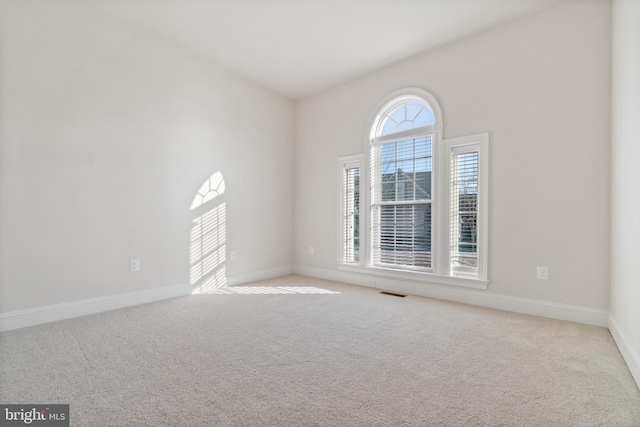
401 203
351 220
463 236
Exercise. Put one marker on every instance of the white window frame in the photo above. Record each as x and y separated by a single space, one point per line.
376 144
441 272
344 163
466 144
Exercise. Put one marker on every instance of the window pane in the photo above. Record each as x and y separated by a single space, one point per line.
351 214
413 109
408 178
423 164
423 146
388 191
406 125
406 116
405 149
407 191
405 170
422 151
425 118
464 212
399 114
389 127
423 185
389 152
405 235
389 172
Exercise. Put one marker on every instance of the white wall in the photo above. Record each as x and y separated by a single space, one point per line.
107 134
625 185
541 87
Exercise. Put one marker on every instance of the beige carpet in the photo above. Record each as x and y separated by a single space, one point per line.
297 351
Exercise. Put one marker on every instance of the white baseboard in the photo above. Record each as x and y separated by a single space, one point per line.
586 315
260 275
336 275
52 313
630 356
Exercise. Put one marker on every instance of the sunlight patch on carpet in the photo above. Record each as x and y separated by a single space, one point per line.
269 290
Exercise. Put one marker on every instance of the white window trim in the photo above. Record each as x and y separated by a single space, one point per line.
344 163
411 276
411 133
441 150
389 103
375 144
480 143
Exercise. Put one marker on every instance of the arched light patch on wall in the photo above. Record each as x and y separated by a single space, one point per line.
207 258
212 188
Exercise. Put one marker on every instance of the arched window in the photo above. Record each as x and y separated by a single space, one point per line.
410 114
426 199
403 136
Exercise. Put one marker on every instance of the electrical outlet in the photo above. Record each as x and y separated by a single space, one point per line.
232 255
543 273
311 250
134 265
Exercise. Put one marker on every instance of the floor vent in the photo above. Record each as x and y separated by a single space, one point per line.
392 294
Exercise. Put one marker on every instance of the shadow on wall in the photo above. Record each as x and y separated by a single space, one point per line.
208 237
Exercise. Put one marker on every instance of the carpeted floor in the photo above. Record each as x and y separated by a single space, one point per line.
296 351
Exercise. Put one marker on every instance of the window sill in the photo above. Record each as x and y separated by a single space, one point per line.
416 277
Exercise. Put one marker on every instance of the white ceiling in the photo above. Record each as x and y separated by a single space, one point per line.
301 47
